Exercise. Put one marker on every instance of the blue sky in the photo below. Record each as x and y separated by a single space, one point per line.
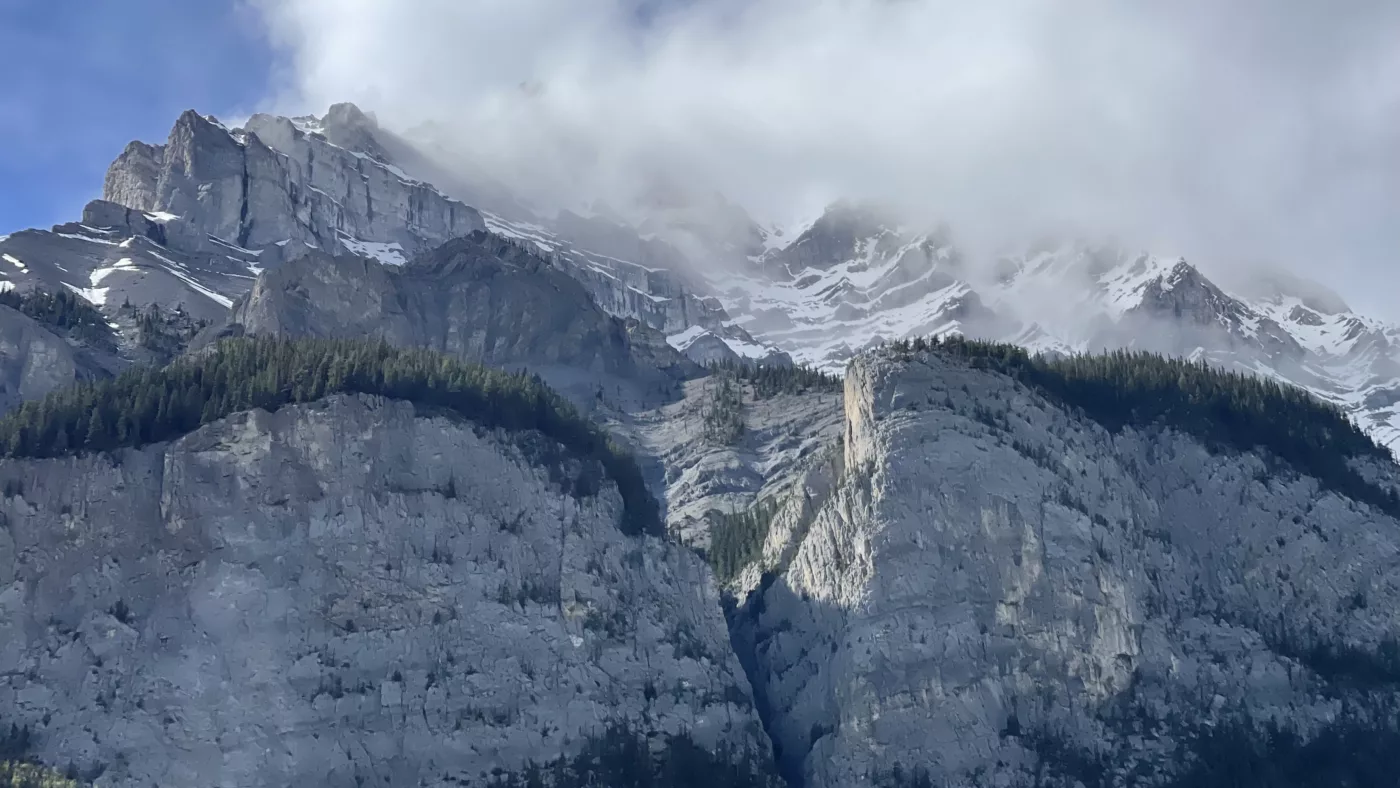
84 77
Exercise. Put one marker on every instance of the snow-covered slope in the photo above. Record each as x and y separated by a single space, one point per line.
851 281
117 256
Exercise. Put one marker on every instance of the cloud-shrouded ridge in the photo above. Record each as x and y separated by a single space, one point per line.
1254 129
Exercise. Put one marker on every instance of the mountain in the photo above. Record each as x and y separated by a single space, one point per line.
355 590
190 223
481 298
852 280
992 587
353 556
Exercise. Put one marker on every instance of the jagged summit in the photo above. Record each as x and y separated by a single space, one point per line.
212 206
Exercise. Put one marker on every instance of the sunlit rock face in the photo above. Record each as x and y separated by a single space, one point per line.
994 584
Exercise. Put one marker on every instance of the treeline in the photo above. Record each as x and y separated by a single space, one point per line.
624 758
143 406
770 381
16 771
1349 753
63 310
1222 409
736 539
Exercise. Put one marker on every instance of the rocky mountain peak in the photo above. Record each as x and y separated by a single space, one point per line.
845 231
346 115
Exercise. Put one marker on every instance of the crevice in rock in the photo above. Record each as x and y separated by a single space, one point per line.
369 198
245 228
742 620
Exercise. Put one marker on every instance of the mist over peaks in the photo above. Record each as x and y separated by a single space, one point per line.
1225 132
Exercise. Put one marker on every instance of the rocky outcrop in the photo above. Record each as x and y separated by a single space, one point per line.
845 231
274 183
996 588
1182 311
33 360
480 298
781 435
348 592
118 256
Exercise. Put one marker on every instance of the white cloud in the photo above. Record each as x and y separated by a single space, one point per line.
1249 129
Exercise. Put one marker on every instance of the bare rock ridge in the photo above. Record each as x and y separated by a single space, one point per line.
192 221
33 360
998 590
481 298
273 183
340 593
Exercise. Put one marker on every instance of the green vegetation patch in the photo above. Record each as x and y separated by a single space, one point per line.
1223 409
150 405
65 311
29 775
770 381
736 540
724 411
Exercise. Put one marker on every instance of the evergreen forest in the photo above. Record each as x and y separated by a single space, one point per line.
769 380
149 405
66 312
624 758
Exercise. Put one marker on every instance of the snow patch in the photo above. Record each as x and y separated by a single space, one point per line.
683 340
309 124
87 238
234 247
97 296
179 272
125 264
161 217
686 338
9 258
387 254
521 231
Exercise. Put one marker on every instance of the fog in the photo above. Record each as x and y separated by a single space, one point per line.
1237 133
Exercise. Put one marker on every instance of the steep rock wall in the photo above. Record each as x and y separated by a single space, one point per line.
996 581
337 593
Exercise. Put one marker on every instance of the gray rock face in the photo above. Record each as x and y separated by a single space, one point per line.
134 177
840 234
971 587
480 298
1183 311
781 437
280 186
33 360
342 592
274 183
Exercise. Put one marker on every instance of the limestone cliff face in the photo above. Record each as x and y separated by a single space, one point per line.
33 360
342 593
272 183
481 298
993 581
